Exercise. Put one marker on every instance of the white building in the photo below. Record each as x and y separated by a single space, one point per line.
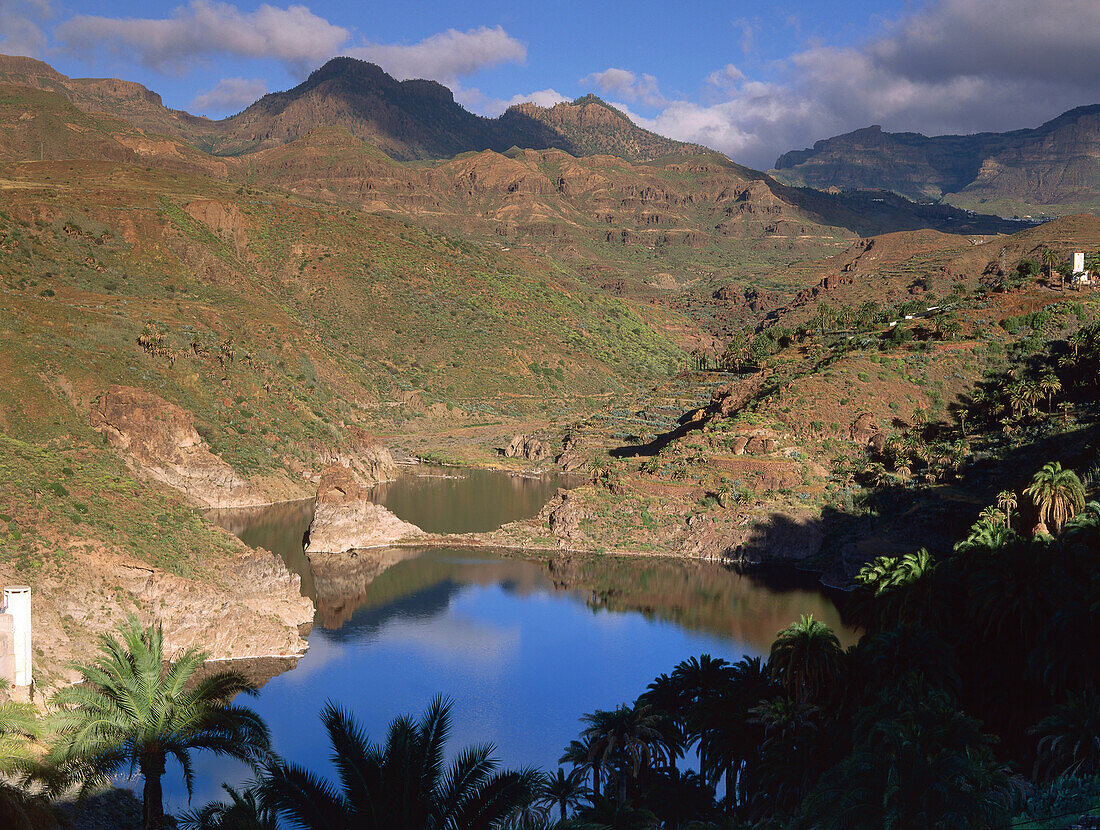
15 640
1079 273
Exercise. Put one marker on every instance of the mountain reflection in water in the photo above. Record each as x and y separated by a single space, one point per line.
524 646
356 592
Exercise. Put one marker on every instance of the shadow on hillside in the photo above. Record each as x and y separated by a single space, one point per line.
653 447
894 519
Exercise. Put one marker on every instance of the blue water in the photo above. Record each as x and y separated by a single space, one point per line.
521 657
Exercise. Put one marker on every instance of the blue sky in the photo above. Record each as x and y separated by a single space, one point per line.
751 79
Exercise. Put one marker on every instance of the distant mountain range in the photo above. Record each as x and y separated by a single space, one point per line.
348 131
407 120
1052 168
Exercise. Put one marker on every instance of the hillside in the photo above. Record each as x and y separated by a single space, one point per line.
1053 168
880 406
287 330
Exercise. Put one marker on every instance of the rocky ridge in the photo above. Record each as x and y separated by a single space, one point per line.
159 440
1050 165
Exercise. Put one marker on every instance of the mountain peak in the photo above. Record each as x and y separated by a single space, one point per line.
360 73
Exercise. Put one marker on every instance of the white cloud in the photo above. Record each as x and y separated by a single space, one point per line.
626 84
542 97
229 95
203 29
445 56
951 66
725 78
477 101
20 32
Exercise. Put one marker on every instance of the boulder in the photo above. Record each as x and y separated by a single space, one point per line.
159 440
346 519
877 442
563 515
528 447
863 428
739 444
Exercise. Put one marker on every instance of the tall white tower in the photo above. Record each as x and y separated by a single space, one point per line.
17 603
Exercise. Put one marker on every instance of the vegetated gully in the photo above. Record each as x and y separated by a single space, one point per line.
523 649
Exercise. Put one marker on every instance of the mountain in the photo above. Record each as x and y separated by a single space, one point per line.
408 120
1054 168
419 119
593 127
126 100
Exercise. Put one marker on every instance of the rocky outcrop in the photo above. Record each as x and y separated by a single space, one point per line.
371 462
159 440
346 519
865 432
563 514
573 455
245 606
528 447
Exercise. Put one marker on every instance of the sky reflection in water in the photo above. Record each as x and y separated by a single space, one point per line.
522 655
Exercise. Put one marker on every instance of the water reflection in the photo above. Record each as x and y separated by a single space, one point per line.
359 593
523 646
460 500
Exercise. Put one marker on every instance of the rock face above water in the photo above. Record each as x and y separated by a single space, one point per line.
346 519
372 463
159 440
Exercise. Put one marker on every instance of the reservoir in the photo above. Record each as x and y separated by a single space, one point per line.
523 644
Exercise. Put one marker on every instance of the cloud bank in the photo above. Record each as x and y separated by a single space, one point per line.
444 57
204 30
952 66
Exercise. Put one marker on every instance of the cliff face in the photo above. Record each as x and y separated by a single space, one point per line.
159 440
1056 163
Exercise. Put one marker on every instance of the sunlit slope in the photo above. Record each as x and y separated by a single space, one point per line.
277 320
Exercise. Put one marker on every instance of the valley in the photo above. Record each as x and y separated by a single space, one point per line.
300 305
356 367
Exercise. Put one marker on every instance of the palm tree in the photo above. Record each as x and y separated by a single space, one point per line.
581 755
627 740
729 739
134 709
1049 260
1006 501
613 814
243 812
401 783
1057 493
805 659
564 791
1050 386
788 762
19 809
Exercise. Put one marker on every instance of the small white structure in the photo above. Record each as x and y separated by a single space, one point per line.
15 638
1080 274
